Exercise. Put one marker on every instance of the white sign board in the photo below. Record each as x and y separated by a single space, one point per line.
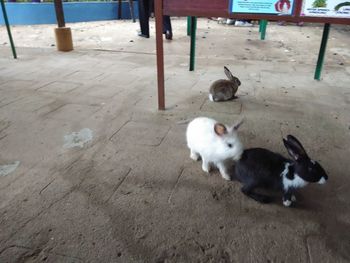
276 7
326 8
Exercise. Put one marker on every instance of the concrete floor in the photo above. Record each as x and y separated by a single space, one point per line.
130 192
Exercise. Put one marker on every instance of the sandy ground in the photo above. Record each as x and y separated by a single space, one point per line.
92 172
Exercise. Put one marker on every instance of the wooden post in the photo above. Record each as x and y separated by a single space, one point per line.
160 53
59 13
63 34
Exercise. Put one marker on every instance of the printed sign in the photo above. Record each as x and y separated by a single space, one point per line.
326 8
276 7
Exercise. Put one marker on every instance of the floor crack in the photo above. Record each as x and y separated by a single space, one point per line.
118 185
175 186
121 127
46 186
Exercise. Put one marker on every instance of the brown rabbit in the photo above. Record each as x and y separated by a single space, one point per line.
224 89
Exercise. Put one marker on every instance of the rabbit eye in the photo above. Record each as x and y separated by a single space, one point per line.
229 145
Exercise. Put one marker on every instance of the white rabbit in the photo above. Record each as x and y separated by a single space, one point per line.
214 143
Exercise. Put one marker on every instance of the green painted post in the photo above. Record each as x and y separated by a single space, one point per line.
193 41
322 51
8 29
188 25
263 29
260 25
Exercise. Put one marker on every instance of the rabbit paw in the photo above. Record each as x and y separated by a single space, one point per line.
205 167
194 156
293 198
226 176
287 203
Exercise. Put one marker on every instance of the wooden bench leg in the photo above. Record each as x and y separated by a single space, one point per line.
158 6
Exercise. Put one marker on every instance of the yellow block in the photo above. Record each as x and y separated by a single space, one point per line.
64 40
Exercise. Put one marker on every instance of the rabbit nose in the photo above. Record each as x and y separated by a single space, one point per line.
322 180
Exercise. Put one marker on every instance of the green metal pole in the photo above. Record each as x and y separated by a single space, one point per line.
260 25
188 25
322 51
193 41
263 29
8 29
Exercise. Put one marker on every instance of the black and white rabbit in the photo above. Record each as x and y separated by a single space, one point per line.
261 168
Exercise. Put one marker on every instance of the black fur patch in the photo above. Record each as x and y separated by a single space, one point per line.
290 174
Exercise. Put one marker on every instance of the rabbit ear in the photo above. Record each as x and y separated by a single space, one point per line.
220 129
228 73
294 141
294 151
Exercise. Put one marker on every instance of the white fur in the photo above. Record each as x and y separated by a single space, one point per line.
223 172
194 156
294 199
221 20
286 169
202 140
287 202
322 181
296 182
211 97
